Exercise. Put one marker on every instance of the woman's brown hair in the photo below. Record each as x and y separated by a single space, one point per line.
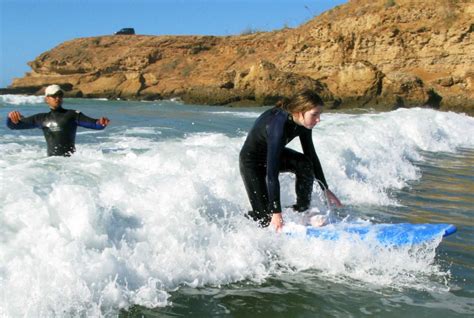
301 102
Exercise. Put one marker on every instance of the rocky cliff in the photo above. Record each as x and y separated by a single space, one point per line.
366 53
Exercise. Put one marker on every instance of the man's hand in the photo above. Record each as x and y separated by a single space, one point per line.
15 116
333 199
277 221
103 121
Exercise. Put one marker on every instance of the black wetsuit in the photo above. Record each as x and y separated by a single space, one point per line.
264 156
59 127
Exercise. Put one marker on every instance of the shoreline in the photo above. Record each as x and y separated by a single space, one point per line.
331 105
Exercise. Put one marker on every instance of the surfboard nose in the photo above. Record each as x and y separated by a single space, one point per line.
450 230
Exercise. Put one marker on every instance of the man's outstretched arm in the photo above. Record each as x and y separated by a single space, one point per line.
92 123
15 120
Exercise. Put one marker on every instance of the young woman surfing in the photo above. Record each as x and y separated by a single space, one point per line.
264 156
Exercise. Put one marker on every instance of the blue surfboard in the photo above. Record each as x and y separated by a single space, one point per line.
400 234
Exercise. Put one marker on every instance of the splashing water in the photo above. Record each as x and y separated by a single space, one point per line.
144 209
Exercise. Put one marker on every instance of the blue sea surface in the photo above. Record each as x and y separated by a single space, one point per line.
146 218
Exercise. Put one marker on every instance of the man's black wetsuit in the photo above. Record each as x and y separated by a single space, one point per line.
264 155
59 127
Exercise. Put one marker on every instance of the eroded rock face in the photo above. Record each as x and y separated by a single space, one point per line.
367 53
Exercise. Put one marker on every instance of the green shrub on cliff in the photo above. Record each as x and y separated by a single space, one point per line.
390 3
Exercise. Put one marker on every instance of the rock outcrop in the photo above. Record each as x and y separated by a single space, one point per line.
366 53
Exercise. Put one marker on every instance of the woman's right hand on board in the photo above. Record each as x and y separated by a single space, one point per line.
332 198
277 221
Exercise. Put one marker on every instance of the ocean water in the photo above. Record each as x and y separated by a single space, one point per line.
146 219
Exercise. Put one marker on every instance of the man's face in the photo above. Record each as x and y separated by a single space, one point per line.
55 101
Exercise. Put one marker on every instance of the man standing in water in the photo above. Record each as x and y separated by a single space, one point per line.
59 125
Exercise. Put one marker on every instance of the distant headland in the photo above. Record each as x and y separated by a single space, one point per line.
381 54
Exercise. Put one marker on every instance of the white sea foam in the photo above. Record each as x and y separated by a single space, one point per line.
20 99
366 155
237 114
144 130
130 219
176 100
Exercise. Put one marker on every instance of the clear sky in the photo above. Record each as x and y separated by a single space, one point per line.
31 27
